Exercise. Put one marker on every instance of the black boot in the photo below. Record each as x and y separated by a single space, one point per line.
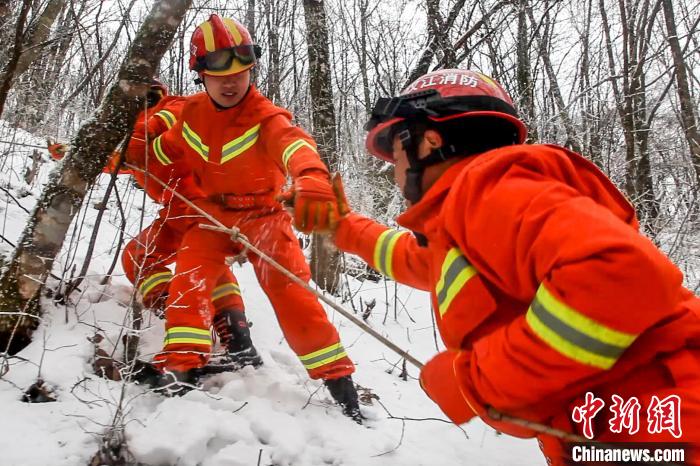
168 383
343 391
177 383
232 328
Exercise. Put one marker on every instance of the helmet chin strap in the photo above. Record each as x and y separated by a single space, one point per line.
413 189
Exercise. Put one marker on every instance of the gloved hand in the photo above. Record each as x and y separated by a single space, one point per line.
315 202
341 199
445 379
56 149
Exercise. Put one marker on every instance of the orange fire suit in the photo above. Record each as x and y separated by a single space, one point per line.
146 256
240 157
543 289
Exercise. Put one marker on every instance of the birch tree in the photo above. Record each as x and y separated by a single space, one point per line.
43 236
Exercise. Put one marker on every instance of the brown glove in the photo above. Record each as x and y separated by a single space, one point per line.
317 203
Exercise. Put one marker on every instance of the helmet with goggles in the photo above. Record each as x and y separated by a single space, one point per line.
441 99
221 47
471 111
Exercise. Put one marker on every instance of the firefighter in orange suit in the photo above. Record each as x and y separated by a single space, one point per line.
240 149
541 284
146 256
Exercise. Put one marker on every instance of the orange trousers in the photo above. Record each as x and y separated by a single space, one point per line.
200 265
146 257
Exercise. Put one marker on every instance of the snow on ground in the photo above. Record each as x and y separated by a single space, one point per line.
274 415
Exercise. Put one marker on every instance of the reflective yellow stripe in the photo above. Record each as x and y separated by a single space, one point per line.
292 148
323 356
158 150
188 335
240 144
384 251
231 26
194 141
167 117
154 280
454 274
208 34
575 335
226 289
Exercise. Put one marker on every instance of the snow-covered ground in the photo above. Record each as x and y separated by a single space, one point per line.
273 415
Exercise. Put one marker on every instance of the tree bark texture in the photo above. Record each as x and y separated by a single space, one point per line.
523 73
8 70
37 33
91 148
34 88
325 259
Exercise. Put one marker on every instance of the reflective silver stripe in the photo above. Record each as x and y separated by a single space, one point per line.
167 117
323 356
225 290
154 280
574 334
455 273
160 155
292 148
188 335
384 251
239 145
194 141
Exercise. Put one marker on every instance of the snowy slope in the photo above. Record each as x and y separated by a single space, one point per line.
273 415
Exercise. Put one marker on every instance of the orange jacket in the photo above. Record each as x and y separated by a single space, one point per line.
538 276
151 123
244 150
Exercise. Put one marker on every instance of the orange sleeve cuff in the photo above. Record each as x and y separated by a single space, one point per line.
443 384
306 159
358 235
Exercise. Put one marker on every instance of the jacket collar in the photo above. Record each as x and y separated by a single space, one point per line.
418 217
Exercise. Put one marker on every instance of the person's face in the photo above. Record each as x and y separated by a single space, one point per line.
431 140
227 91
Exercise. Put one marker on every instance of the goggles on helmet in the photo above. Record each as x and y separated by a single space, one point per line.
430 104
222 59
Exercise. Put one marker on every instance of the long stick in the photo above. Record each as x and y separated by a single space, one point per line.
237 236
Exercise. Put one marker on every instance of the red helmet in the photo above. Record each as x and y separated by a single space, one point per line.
221 47
438 97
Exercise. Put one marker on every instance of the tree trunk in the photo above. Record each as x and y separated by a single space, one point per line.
7 74
272 17
325 259
38 115
688 120
35 90
37 35
523 73
92 146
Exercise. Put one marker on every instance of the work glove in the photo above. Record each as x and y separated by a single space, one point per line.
56 149
445 379
314 202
